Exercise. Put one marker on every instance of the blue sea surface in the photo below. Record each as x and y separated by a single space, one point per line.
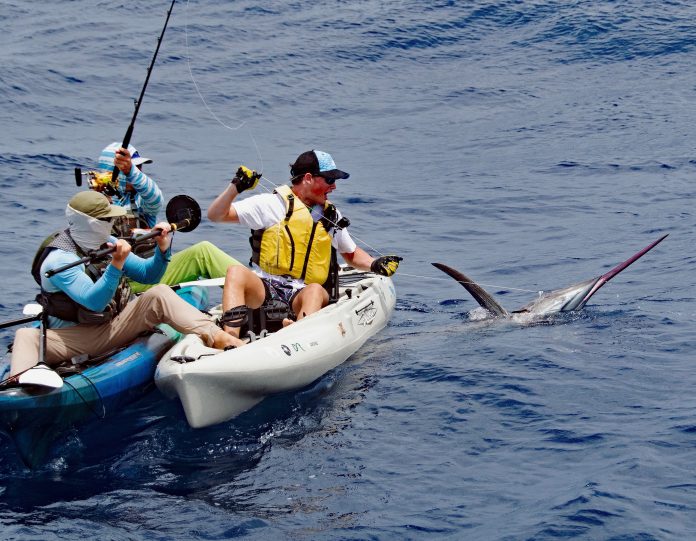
530 144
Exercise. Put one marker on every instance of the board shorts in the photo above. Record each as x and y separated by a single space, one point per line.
279 288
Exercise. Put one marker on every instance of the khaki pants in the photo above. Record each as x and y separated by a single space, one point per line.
157 305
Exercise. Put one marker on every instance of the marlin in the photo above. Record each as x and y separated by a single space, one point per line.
568 299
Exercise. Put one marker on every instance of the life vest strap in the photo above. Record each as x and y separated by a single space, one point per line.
291 207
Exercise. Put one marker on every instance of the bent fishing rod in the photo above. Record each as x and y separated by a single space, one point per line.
183 213
131 126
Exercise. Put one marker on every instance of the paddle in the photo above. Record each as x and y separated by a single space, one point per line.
183 212
19 321
208 282
41 374
131 126
33 312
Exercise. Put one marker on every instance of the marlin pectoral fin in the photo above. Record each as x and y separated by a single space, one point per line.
477 292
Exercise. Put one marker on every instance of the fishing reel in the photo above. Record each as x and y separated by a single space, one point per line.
99 181
330 217
184 213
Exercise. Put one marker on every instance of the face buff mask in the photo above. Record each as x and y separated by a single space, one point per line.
89 233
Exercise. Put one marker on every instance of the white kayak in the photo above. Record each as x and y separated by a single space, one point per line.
215 385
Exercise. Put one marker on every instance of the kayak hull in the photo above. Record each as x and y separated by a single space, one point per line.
33 417
216 386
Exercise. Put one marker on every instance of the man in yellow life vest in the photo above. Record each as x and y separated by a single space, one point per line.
293 230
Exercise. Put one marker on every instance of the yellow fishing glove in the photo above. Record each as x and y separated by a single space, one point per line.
245 179
386 265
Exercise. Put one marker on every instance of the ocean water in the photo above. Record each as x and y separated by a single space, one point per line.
530 144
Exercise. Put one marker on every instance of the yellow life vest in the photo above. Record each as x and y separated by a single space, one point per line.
296 246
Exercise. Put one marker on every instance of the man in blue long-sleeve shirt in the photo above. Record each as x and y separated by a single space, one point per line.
89 307
136 191
142 198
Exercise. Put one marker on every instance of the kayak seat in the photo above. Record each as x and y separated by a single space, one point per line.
269 317
260 321
331 285
235 317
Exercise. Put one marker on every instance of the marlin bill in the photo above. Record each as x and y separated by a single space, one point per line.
573 297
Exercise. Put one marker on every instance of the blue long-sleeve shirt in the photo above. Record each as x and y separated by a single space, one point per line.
97 295
148 199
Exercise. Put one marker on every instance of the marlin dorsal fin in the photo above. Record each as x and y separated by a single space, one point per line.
484 298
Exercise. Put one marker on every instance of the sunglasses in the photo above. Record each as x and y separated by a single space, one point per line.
105 219
329 181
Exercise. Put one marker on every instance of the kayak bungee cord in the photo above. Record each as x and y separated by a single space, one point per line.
101 399
7 382
11 379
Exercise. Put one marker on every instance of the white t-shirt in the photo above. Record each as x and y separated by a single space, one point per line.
261 211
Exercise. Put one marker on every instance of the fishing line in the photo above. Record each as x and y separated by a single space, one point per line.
449 279
335 224
200 95
241 124
367 245
193 79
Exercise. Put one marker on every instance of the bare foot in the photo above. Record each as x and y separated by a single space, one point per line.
287 321
223 340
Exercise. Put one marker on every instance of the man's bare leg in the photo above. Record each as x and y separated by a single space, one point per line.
310 299
242 287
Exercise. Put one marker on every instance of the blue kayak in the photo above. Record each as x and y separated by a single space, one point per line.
34 416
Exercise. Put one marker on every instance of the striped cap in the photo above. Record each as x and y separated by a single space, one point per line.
106 158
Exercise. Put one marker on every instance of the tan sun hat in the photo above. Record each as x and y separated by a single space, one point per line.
95 204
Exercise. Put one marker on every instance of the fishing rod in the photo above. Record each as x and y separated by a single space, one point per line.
98 254
129 131
183 212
